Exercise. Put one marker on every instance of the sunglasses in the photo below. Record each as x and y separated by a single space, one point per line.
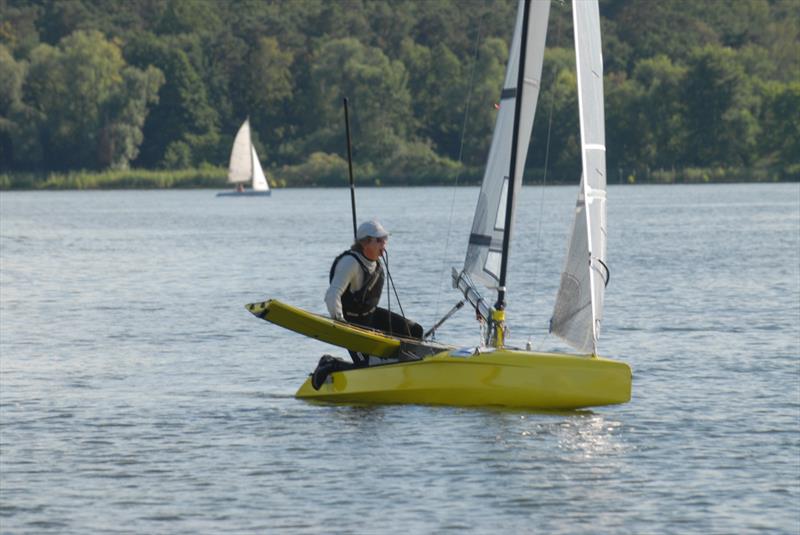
381 240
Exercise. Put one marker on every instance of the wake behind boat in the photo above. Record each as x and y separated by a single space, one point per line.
494 374
245 168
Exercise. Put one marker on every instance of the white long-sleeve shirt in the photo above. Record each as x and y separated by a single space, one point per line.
347 273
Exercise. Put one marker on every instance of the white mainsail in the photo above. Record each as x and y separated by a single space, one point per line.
486 238
579 303
240 168
244 165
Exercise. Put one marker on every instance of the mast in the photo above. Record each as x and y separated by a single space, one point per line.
489 239
350 168
500 305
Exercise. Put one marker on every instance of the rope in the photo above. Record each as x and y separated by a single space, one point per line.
392 285
388 293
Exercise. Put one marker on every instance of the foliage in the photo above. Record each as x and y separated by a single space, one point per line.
207 177
320 169
376 87
416 164
693 89
781 139
80 105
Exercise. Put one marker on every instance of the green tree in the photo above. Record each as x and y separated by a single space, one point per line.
198 17
661 110
12 75
646 115
487 82
183 113
781 38
556 132
121 137
265 83
438 108
626 125
91 103
720 110
735 23
18 30
651 28
781 124
377 89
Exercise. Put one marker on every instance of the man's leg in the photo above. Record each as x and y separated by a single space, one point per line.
395 324
360 360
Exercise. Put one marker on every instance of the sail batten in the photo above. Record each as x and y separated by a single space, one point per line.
578 310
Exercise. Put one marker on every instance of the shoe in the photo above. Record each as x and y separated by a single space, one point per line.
324 368
319 376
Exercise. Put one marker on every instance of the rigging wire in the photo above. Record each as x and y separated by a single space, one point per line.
538 246
388 293
470 86
391 284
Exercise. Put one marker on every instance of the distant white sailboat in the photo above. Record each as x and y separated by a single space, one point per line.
244 167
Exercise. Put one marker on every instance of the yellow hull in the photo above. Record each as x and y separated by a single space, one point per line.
501 377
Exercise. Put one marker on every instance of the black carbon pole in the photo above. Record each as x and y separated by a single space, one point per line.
501 293
350 168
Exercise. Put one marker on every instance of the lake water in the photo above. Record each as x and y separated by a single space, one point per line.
137 395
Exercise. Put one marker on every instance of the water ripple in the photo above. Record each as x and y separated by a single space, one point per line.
138 396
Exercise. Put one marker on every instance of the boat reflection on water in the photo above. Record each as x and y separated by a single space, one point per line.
578 434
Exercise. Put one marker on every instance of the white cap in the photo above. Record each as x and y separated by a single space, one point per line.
371 229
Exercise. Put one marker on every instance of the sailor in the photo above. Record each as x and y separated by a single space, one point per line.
356 282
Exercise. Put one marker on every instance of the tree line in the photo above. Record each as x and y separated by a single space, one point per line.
693 89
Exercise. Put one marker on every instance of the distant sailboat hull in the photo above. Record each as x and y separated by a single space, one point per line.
502 377
245 193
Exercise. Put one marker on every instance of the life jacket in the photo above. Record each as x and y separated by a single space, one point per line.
363 301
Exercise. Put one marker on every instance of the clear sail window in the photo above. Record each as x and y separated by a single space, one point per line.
500 221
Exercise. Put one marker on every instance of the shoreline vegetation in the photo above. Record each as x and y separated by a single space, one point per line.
216 177
151 93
